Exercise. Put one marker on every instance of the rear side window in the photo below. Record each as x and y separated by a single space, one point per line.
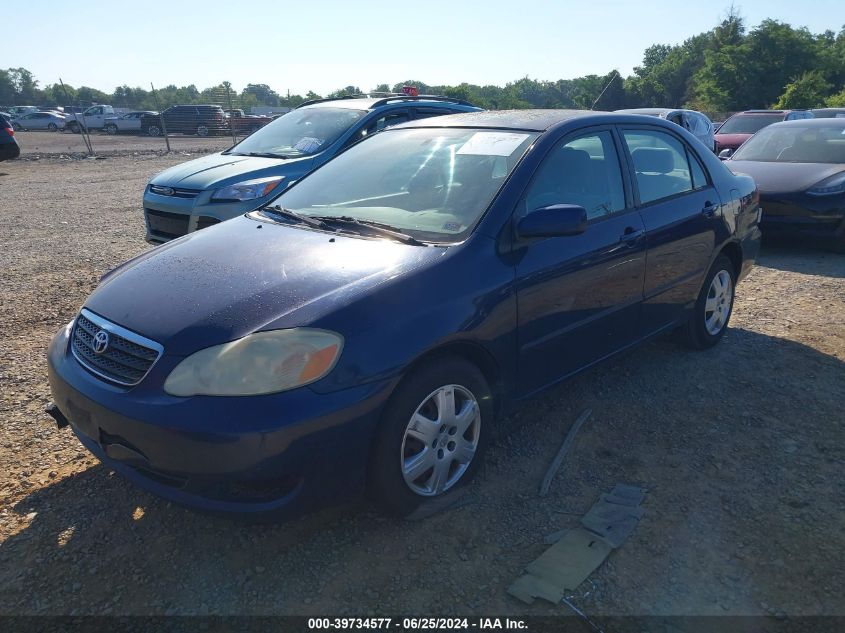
424 113
660 164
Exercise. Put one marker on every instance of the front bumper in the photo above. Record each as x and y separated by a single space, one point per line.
169 217
821 216
275 454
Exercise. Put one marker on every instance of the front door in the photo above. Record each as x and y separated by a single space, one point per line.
579 296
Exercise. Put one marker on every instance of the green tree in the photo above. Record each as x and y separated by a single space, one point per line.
808 91
837 100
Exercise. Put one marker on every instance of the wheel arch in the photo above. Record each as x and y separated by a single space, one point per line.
733 251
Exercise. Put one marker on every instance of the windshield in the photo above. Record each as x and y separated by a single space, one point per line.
792 143
300 132
748 123
432 183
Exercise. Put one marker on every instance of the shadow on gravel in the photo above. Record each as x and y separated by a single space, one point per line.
739 447
805 256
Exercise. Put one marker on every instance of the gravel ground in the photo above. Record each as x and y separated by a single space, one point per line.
42 144
741 449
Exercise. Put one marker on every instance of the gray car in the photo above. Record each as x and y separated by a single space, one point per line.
39 121
222 186
698 124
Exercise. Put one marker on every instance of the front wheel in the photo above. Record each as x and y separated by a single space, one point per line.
52 127
202 130
111 128
432 435
154 130
714 306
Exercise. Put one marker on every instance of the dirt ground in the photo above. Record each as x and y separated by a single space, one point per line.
741 449
43 144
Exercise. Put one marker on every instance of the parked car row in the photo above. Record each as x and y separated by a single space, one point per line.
397 274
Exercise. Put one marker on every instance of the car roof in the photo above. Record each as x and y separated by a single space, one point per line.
529 120
650 111
368 103
823 122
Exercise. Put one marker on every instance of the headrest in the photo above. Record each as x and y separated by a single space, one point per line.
653 160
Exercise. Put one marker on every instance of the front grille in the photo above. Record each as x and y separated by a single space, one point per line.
204 221
167 224
173 192
127 357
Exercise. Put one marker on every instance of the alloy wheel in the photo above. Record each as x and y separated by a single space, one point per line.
440 440
717 307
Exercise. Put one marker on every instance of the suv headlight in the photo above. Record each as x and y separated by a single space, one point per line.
247 190
264 362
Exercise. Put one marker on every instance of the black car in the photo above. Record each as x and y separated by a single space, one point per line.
799 167
202 120
9 147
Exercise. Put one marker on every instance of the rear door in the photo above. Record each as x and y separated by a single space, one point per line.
579 296
680 208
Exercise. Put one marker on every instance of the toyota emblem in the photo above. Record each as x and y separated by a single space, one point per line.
101 341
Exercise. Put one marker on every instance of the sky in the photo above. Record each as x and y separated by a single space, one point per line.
323 45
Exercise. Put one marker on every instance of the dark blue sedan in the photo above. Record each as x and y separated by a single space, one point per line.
368 328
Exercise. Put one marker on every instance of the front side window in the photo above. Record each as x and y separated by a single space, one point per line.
432 183
660 164
584 171
301 132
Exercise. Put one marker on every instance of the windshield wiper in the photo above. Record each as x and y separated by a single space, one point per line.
265 155
379 227
317 223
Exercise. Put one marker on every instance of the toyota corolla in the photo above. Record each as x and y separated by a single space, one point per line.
370 327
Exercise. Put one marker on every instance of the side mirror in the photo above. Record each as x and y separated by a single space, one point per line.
555 220
725 154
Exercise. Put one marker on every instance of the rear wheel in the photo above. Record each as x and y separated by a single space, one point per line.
52 127
202 130
154 130
111 128
714 306
432 435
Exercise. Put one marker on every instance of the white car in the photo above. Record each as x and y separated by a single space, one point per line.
130 122
695 122
39 121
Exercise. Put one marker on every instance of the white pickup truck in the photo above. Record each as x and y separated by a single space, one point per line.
93 118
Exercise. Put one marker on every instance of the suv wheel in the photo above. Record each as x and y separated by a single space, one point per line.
202 130
154 130
432 435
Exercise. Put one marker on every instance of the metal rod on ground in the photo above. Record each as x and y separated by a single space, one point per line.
161 117
567 443
87 141
231 112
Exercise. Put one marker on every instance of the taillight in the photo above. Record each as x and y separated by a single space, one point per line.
10 131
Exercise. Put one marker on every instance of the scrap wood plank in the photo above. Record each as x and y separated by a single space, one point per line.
567 442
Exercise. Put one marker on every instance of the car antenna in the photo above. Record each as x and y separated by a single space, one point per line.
615 75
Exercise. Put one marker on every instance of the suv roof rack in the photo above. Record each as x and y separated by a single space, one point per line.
385 97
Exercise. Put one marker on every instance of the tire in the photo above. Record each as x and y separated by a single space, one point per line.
111 129
714 306
154 130
404 435
52 127
202 130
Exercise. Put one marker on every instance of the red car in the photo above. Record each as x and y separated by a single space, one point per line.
743 125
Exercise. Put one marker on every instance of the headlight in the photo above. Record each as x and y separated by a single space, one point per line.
247 190
828 186
264 362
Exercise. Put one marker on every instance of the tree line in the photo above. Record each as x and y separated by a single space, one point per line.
725 69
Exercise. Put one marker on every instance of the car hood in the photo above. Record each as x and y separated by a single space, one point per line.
774 178
226 281
222 169
732 141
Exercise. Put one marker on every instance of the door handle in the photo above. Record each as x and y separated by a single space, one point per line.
709 209
631 235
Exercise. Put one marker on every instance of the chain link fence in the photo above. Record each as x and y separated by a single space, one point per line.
164 119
